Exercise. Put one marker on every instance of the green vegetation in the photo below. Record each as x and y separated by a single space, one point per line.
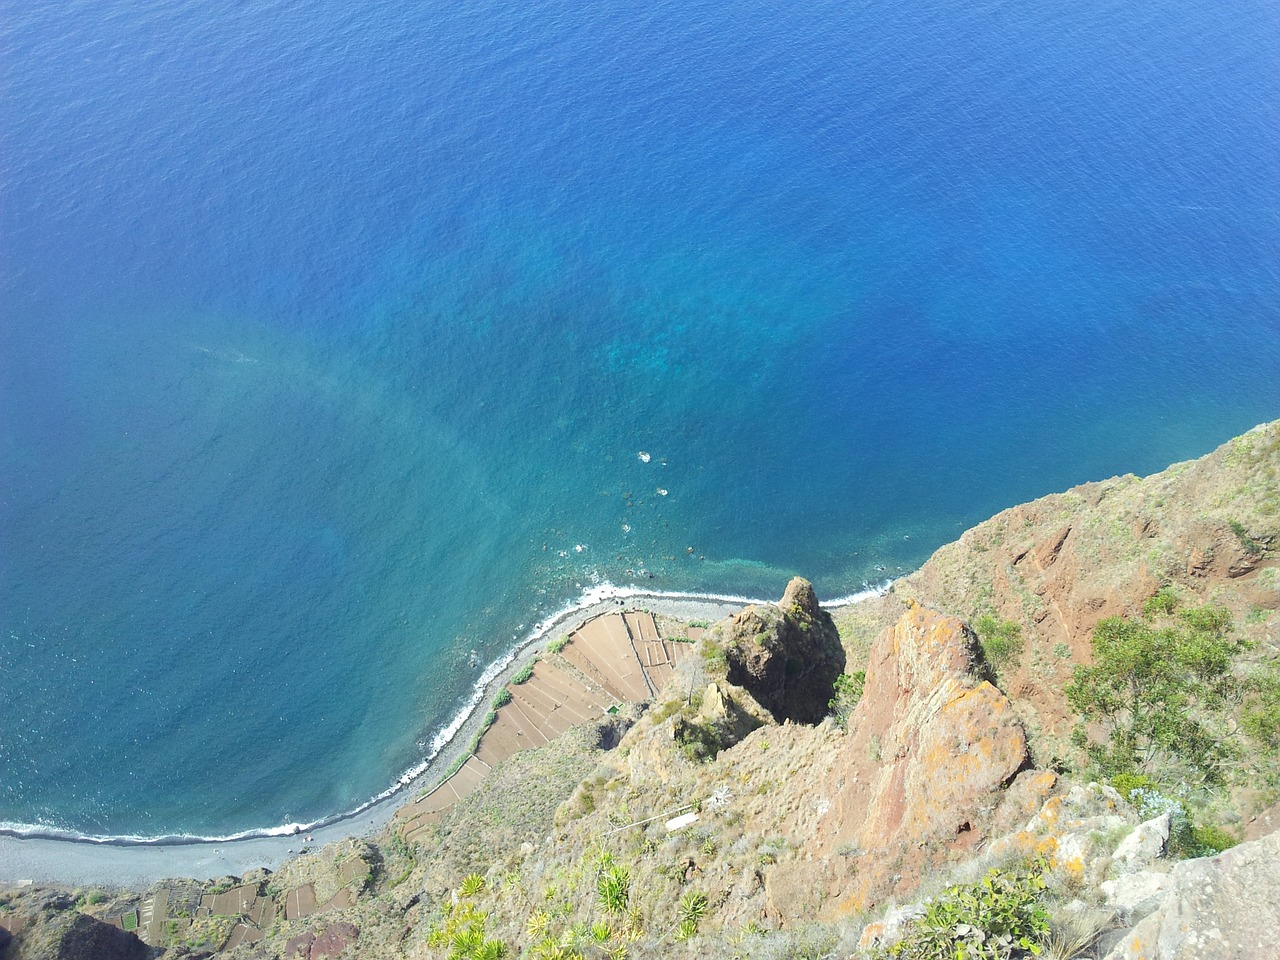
699 742
613 886
1163 602
558 644
845 694
1001 916
1001 640
1163 692
693 908
1186 837
461 931
472 884
502 698
524 673
1251 547
1261 717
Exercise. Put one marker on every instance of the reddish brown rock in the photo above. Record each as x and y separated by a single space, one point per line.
917 780
330 942
945 739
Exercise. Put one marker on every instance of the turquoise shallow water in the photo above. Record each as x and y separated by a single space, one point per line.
330 343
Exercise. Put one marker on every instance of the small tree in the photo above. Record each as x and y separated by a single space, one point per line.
1163 693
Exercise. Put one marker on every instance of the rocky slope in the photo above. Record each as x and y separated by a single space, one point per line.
732 816
1058 566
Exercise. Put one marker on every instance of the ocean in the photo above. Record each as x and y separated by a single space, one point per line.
341 345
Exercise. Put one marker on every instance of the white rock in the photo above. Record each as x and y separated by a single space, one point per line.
1134 895
1145 844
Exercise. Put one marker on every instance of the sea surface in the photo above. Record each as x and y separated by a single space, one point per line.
341 344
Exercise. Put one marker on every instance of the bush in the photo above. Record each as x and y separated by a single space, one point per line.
502 698
1127 783
1163 601
845 694
1001 640
693 908
1251 547
999 917
1164 695
613 887
1187 839
461 930
558 644
524 673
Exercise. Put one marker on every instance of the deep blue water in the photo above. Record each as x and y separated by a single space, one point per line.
329 332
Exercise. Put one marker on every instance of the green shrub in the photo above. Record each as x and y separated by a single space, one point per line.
1001 640
461 931
1261 718
845 694
1163 601
699 742
1251 547
1209 840
693 909
613 888
1164 694
558 644
1000 916
1126 783
472 884
502 698
524 673
1187 838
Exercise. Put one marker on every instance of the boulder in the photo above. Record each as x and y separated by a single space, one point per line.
1216 908
1134 895
1142 846
787 657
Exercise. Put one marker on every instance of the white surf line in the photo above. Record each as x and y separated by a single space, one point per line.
593 597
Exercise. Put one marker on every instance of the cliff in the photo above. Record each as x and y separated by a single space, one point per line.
813 786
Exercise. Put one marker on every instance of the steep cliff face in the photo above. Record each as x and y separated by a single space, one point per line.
732 819
919 775
1056 567
50 928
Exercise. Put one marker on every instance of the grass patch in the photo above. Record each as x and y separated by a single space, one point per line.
558 644
524 673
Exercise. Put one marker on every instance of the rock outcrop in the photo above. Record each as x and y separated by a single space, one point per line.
1219 908
54 930
922 775
787 657
932 745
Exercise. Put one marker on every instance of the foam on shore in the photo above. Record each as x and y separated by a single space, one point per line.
589 604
